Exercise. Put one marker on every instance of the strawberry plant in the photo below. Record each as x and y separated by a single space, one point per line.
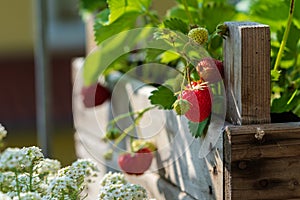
189 40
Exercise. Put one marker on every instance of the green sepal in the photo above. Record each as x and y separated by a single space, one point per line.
198 129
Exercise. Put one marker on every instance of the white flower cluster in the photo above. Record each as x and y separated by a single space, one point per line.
3 132
62 187
47 167
114 186
20 160
28 196
80 170
26 175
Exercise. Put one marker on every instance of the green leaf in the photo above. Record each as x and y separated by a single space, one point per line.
102 17
174 83
221 12
169 56
163 97
119 7
275 75
190 3
90 6
152 55
176 25
179 13
287 102
270 9
126 22
111 51
198 129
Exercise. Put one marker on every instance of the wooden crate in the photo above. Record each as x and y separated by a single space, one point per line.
254 160
261 160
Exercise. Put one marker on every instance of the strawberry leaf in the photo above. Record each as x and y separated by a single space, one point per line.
163 97
104 31
198 129
176 25
90 6
119 7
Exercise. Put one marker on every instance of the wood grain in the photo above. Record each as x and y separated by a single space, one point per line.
247 73
266 168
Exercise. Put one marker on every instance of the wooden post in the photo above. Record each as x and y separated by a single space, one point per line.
247 73
261 161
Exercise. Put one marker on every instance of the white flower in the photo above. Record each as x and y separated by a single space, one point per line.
113 178
33 154
11 159
60 186
3 132
28 196
114 186
24 182
80 172
20 160
4 196
47 166
6 178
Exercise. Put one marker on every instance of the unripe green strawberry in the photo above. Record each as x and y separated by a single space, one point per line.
199 35
181 106
112 133
108 155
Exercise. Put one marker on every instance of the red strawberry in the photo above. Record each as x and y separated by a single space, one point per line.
207 69
94 95
136 163
200 101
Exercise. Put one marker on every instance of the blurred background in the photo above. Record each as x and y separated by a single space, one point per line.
18 98
66 40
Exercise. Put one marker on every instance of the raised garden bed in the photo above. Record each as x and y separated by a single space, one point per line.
254 160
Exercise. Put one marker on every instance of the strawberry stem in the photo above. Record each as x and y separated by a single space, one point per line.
131 147
126 131
285 36
186 8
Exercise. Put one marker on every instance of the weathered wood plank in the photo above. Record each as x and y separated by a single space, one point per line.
247 72
158 187
262 161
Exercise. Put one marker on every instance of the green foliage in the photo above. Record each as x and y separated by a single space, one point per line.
104 31
119 7
198 129
176 25
163 97
88 7
120 15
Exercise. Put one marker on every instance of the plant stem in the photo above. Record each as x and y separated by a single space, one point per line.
153 18
186 8
132 126
285 36
30 178
17 185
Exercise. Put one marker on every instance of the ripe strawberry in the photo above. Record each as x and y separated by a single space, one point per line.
200 102
94 95
199 35
210 69
136 163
